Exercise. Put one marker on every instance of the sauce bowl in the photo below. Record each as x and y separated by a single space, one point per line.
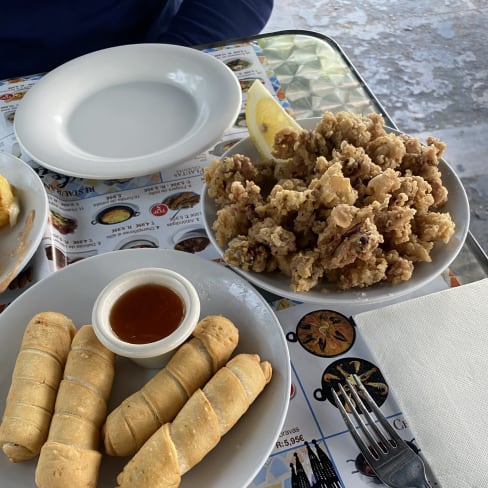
132 290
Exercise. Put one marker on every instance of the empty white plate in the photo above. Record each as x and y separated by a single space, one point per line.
127 111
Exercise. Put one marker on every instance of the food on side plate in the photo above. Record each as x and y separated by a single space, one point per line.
9 205
159 400
208 415
346 203
35 380
70 456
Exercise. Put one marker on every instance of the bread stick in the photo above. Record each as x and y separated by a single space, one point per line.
207 416
71 457
193 364
35 380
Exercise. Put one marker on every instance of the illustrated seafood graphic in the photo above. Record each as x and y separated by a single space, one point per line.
324 333
341 370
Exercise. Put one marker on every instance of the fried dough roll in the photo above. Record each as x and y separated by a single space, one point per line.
193 364
35 380
208 415
70 456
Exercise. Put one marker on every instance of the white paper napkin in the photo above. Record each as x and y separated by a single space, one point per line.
433 352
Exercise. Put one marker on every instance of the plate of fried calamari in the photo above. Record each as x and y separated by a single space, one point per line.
210 417
348 211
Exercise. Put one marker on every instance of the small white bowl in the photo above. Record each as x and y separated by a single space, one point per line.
152 354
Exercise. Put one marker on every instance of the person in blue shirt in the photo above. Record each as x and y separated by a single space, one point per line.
37 36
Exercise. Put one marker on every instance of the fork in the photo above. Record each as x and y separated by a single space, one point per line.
393 461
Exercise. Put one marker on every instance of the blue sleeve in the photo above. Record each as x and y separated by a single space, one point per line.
205 21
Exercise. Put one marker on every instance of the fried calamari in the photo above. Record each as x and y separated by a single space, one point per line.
346 203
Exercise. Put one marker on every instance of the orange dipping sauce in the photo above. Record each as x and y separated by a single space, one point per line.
146 313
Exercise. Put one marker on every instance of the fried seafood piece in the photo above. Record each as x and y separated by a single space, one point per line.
395 224
278 240
382 186
282 204
221 173
356 165
309 219
414 147
399 268
333 188
298 151
414 191
360 273
237 216
387 151
437 144
434 177
231 221
356 129
340 247
415 249
249 256
434 226
245 194
306 270
423 161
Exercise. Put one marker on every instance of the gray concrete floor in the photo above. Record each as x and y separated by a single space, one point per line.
427 62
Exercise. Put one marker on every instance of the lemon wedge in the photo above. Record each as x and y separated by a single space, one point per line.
264 118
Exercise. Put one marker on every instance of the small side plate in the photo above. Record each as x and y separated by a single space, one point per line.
19 243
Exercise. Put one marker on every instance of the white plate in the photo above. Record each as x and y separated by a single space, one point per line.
442 254
127 111
242 452
19 243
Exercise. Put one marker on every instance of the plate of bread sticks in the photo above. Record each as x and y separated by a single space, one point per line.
74 414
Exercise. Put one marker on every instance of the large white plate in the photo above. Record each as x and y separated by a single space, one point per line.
442 254
241 453
19 243
127 111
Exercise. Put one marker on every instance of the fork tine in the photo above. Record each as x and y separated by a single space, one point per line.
350 426
381 418
374 445
369 418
